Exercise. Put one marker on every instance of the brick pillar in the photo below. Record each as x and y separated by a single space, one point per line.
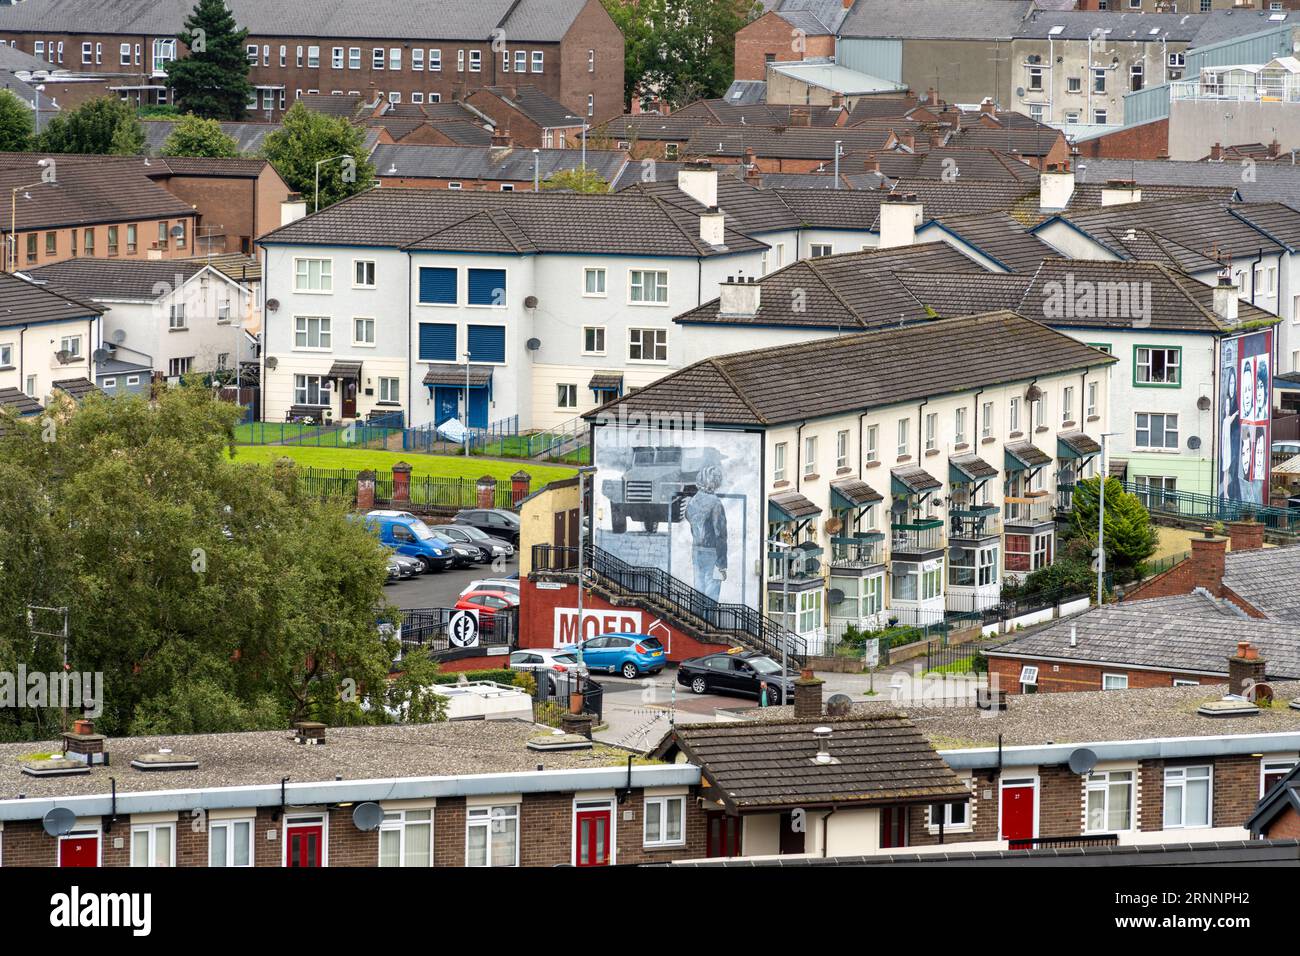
579 724
1246 535
1245 669
1206 563
485 492
366 491
808 695
520 482
401 484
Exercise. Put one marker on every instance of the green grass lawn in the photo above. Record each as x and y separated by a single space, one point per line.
434 465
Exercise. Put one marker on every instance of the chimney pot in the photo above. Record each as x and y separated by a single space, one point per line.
1246 669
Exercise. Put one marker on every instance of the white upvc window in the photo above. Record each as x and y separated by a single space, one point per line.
778 461
986 420
842 449
1029 679
363 274
1013 415
1092 399
313 57
230 842
6 355
1271 772
566 395
1114 682
492 836
390 391
904 436
313 275
311 390
176 316
873 440
406 837
435 64
153 844
810 455
312 332
647 287
336 57
931 431
538 57
417 59
665 821
1156 430
395 58
647 345
363 331
593 282
1188 797
521 61
460 61
593 340
123 54
72 345
87 52
354 58
377 58
1110 801
1067 404
955 816
959 426
476 61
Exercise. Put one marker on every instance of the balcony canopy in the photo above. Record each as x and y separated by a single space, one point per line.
790 506
968 468
1076 445
853 493
914 480
1025 456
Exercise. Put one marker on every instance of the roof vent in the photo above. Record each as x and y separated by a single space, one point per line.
558 741
309 732
1231 705
823 735
54 767
164 759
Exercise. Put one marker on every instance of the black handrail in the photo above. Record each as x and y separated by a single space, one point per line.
760 631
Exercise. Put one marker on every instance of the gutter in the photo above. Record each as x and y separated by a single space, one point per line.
355 791
1168 748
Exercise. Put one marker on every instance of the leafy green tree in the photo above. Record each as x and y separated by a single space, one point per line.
194 136
103 126
211 80
582 180
211 595
682 50
306 137
1131 538
15 124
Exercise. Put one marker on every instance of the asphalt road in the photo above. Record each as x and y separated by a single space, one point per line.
442 588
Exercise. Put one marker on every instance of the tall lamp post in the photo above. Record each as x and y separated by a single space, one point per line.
467 358
319 164
784 548
13 217
1101 518
583 473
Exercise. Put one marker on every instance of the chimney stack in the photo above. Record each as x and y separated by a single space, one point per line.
800 116
739 296
987 105
1055 186
713 227
808 694
83 744
1225 296
1206 562
293 208
900 214
501 139
699 180
1245 669
1216 153
1119 192
1245 535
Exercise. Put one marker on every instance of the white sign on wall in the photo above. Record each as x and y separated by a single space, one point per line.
462 629
595 622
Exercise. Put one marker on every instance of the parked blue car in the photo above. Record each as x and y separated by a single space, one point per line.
408 535
631 655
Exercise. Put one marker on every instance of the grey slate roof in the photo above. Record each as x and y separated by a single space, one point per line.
514 222
23 301
746 92
489 163
18 401
116 278
1191 634
856 372
78 388
755 766
523 20
542 109
1267 578
88 190
936 19
1121 25
1273 182
1001 237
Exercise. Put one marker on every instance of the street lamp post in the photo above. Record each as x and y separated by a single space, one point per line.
13 218
583 472
319 164
467 358
784 548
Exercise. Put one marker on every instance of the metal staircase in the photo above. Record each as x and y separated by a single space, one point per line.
654 590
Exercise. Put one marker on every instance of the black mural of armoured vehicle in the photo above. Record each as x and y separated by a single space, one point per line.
656 487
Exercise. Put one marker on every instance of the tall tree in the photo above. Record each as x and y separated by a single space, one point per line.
211 595
1131 538
306 138
15 124
681 50
103 126
212 79
194 136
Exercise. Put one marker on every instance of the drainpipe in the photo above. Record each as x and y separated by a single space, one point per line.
975 418
826 820
862 445
1258 259
920 429
798 456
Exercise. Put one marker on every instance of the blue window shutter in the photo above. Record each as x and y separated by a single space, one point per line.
437 342
487 343
438 285
487 286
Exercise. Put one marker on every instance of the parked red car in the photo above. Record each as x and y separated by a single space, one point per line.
487 601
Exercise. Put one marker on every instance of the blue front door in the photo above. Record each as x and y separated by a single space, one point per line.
446 401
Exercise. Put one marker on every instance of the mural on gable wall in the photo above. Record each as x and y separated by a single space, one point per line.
1246 412
685 501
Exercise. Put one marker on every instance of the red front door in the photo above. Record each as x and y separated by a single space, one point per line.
893 827
79 851
724 835
592 837
1018 812
304 845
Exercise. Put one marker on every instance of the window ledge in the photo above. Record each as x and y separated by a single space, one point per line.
871 464
988 441
844 471
813 477
1016 435
902 458
931 452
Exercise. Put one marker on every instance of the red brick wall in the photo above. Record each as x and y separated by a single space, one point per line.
772 34
1056 678
146 236
1148 141
537 620
1286 826
592 29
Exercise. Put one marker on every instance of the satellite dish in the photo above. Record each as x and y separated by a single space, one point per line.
533 345
834 596
367 816
101 356
1082 760
530 302
839 705
1194 442
1203 403
1020 91
64 356
59 821
272 305
272 362
118 336
1034 393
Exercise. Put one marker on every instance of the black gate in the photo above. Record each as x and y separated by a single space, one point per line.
555 690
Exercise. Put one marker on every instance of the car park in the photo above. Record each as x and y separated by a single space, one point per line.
463 555
632 655
409 536
745 672
488 546
496 522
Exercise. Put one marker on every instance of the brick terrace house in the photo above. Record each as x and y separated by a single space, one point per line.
570 49
1151 768
482 793
238 200
1278 814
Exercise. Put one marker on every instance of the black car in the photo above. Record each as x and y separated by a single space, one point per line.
496 522
489 547
744 673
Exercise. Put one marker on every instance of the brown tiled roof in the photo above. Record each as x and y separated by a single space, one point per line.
886 367
455 375
1079 443
23 301
973 466
857 491
349 370
796 142
794 504
878 759
1000 237
606 381
1207 227
19 401
1028 454
78 388
915 478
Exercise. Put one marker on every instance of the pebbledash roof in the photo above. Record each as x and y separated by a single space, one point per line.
875 759
514 223
522 20
23 302
851 372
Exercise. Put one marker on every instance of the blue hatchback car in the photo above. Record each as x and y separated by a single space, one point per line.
631 655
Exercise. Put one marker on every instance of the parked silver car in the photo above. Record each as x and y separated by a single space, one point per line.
544 662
